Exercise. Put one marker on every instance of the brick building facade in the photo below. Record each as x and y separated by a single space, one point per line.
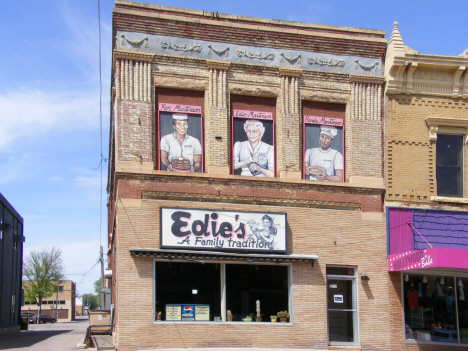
426 203
61 305
11 267
310 235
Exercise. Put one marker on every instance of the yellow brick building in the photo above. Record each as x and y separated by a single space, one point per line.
426 127
206 244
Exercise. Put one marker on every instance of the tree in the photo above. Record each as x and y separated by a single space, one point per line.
43 271
90 300
97 286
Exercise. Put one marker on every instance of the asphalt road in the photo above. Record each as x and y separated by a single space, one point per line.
61 336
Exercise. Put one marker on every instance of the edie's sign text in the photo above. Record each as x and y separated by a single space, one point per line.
223 230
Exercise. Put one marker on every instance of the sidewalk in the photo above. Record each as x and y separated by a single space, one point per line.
232 349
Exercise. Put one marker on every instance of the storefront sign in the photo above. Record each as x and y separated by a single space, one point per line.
338 298
187 312
429 258
223 230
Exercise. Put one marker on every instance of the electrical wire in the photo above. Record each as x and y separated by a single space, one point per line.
100 120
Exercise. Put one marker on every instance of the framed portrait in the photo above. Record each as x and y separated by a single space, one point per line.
180 136
253 143
323 149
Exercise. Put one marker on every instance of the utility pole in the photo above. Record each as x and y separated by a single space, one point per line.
101 294
56 301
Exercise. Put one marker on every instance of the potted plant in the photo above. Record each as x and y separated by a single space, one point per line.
159 316
228 316
273 318
248 319
283 316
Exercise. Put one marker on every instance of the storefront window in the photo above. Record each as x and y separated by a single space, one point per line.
187 284
188 291
247 284
435 308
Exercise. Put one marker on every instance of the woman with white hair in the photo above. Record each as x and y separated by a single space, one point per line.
253 156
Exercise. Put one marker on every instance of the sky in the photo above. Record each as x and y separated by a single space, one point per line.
51 129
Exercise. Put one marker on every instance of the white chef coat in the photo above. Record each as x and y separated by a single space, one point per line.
189 147
329 160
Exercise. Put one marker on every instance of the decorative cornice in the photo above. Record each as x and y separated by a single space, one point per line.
436 123
290 72
217 64
248 54
408 72
249 200
132 55
358 78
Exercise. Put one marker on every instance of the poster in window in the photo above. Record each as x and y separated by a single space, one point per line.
180 131
253 143
323 149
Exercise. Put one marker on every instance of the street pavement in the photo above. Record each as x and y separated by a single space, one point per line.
61 336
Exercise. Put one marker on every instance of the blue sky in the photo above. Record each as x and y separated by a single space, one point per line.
50 139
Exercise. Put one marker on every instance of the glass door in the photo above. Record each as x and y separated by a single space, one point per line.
341 306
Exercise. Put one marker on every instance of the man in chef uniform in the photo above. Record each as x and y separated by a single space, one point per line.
323 162
180 144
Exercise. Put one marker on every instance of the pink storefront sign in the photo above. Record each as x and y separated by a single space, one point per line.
180 108
428 258
253 114
327 121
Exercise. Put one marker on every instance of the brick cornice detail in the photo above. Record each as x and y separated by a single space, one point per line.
290 72
249 200
359 78
217 64
249 192
132 55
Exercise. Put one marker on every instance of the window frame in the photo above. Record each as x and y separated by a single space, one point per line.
223 291
460 167
338 123
354 310
454 126
193 111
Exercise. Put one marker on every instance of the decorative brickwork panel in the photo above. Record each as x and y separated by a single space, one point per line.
410 161
134 130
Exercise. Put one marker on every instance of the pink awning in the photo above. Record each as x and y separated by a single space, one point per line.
428 258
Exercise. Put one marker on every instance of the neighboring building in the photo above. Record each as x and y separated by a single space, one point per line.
60 305
78 310
11 267
245 174
426 197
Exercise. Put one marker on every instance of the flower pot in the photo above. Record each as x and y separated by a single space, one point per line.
283 319
273 320
229 317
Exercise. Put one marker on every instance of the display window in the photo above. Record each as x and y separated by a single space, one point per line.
323 141
180 138
186 291
435 308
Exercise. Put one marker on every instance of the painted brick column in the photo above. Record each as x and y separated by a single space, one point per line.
133 107
217 120
364 128
288 125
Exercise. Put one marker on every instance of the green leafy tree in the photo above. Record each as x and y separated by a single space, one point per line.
42 271
91 301
97 286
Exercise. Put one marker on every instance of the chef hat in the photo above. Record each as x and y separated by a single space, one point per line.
330 131
178 116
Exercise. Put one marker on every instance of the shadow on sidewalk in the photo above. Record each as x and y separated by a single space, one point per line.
27 338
